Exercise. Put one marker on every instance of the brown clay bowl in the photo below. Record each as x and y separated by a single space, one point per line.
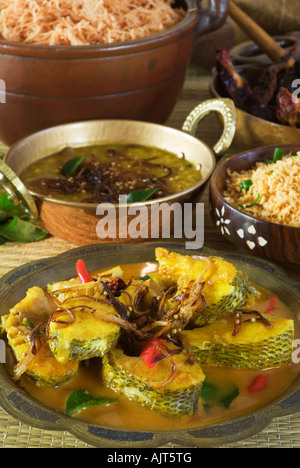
136 80
251 131
78 223
27 409
249 53
261 238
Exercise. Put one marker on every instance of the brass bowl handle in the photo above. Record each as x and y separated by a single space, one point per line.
226 108
17 192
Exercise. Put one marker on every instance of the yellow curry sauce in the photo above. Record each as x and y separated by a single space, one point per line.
125 414
107 171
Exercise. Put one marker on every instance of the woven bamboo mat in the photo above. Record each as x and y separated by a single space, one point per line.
281 433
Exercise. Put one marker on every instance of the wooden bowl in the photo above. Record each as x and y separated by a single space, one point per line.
264 239
136 80
251 131
83 223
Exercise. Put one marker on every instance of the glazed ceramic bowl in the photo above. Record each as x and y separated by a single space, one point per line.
264 239
136 80
25 408
251 131
78 223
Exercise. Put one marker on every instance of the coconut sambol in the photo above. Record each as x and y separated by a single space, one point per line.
192 340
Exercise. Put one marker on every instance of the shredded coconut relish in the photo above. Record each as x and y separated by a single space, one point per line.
270 190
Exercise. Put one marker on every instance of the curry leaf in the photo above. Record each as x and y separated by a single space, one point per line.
229 396
18 230
143 278
80 399
218 395
209 391
8 207
71 166
141 195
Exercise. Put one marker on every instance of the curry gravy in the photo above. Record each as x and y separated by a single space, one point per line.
125 414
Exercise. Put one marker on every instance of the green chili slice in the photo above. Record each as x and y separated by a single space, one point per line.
246 184
278 155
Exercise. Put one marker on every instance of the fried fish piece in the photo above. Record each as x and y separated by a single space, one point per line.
18 326
151 387
262 343
96 325
225 288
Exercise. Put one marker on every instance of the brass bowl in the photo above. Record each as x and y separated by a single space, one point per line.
264 239
251 131
78 222
25 408
136 80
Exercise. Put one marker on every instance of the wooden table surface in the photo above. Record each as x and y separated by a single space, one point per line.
282 432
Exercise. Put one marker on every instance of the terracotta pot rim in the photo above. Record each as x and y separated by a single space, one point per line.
154 41
215 188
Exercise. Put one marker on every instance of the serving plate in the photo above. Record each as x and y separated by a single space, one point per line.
19 404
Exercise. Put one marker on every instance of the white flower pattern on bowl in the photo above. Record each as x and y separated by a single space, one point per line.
223 223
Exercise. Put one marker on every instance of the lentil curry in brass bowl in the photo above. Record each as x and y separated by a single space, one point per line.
71 169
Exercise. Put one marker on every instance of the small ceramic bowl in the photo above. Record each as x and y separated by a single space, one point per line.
251 131
264 239
78 223
249 53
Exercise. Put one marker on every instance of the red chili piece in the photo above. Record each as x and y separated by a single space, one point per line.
258 385
151 351
82 272
271 305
